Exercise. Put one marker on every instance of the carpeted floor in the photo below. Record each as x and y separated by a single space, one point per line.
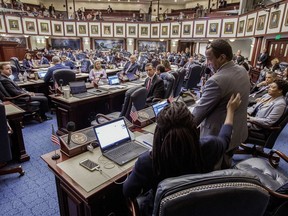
35 192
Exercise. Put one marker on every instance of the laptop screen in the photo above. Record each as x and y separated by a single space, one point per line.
119 134
41 74
113 80
159 106
77 87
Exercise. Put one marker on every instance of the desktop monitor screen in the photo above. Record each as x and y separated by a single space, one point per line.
159 106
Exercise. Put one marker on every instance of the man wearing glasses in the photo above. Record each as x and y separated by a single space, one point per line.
228 79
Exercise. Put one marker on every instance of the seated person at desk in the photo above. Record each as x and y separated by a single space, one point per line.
177 150
130 67
57 65
13 89
27 62
154 84
97 73
270 107
67 62
160 71
275 64
261 88
41 59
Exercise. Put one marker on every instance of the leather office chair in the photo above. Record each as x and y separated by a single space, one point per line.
31 108
5 153
266 138
135 96
169 82
225 192
15 62
194 77
272 179
66 75
179 82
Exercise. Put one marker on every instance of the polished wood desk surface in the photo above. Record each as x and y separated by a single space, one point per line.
12 109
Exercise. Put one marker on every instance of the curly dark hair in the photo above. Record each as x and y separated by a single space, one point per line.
176 149
282 85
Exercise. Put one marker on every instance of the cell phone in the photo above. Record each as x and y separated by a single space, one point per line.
90 165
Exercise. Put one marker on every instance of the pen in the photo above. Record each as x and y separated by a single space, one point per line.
147 143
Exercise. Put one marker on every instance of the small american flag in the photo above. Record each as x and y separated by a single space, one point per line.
54 137
170 99
133 113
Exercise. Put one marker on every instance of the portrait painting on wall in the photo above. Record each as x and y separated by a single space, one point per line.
187 29
229 28
119 30
107 30
44 27
13 24
175 29
213 28
132 30
154 30
57 28
164 30
261 22
286 20
105 45
152 46
241 27
94 29
82 29
250 24
30 26
274 21
144 31
70 29
199 29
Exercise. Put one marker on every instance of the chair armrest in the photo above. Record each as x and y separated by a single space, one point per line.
271 128
19 96
280 154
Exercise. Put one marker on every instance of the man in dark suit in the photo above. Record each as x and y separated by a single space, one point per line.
57 65
262 59
130 67
154 84
14 90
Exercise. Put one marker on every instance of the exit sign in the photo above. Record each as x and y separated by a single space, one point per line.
278 37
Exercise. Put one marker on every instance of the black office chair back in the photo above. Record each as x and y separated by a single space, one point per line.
179 82
168 85
3 92
5 153
65 75
14 61
135 96
194 77
225 192
85 65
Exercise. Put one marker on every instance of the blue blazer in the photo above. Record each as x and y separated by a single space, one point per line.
43 61
70 64
27 64
133 69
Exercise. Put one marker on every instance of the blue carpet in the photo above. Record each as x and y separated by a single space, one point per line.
35 192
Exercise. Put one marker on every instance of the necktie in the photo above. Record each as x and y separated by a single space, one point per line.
148 84
128 68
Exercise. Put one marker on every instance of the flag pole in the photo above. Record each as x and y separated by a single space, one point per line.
55 140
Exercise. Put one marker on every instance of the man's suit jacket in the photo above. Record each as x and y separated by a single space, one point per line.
49 75
70 64
211 110
267 114
43 61
156 89
133 69
263 59
11 87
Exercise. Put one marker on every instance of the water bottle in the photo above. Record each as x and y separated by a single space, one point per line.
25 76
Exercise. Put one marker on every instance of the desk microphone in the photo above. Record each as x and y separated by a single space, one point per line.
96 84
61 83
70 128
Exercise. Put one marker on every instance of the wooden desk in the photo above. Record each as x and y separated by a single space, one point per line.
83 111
15 115
102 200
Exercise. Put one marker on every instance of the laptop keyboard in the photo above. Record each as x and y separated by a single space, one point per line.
124 149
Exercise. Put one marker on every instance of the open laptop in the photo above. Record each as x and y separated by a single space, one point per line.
78 89
118 146
113 83
113 80
41 74
159 106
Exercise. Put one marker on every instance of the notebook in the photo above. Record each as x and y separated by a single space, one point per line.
159 106
78 89
41 74
117 146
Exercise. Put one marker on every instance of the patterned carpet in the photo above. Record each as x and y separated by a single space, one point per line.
35 192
